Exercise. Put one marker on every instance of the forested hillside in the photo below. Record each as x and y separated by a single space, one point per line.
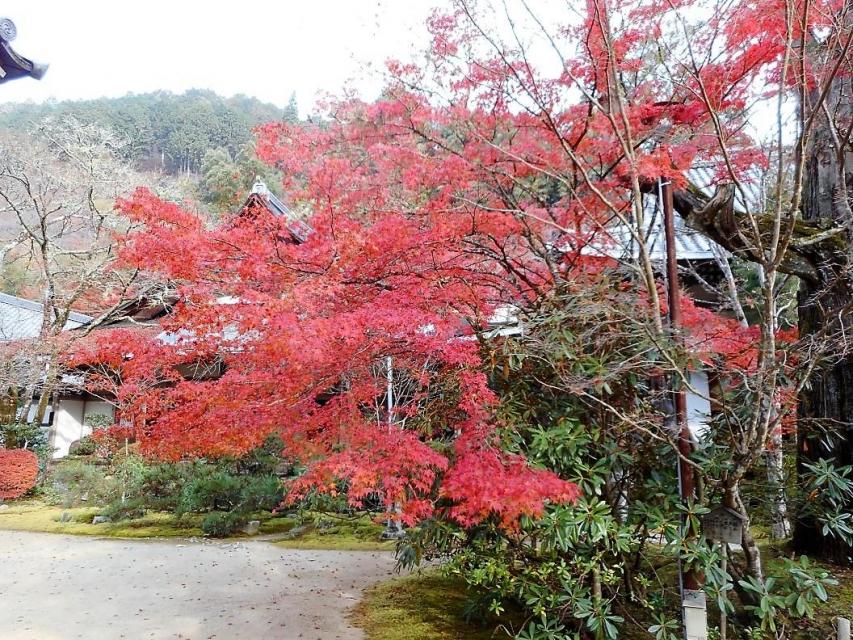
197 147
163 131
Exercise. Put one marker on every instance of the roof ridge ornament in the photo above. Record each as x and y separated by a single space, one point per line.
260 187
8 30
298 228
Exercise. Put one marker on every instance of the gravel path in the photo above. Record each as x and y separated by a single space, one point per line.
62 587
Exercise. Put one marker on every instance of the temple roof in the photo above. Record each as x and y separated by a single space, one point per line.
617 241
21 319
12 64
260 194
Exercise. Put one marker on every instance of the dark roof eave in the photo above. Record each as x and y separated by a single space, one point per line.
16 66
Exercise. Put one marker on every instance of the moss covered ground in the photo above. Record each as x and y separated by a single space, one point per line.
37 516
421 606
309 532
332 532
840 603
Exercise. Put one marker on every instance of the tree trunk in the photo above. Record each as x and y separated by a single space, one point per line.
773 459
751 553
825 427
48 390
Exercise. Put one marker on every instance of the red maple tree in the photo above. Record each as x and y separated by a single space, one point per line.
477 183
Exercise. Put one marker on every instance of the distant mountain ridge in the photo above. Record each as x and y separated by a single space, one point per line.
164 131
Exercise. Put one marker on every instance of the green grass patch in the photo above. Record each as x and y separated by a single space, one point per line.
422 606
37 516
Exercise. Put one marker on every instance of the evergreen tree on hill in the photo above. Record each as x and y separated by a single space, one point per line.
164 131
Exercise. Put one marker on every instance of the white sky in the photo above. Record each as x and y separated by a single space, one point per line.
261 48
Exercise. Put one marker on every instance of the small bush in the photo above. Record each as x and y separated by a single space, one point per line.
211 491
230 490
219 524
19 470
85 446
75 482
262 461
128 478
163 484
261 494
127 509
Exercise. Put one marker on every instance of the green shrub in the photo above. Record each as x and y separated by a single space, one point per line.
211 490
792 592
261 494
163 484
258 462
219 524
316 501
215 487
74 482
128 478
229 490
85 446
126 509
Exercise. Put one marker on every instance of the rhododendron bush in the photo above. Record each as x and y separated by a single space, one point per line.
19 470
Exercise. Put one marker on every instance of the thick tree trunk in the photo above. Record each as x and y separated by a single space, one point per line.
825 428
825 431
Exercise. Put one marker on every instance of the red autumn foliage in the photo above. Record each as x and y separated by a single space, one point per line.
19 470
429 214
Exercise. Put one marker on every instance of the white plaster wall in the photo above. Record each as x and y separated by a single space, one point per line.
68 425
71 418
96 408
698 405
32 414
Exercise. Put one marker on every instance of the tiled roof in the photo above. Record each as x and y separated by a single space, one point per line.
617 241
21 318
297 227
752 198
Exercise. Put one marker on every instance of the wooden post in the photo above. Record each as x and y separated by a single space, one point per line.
693 608
685 441
842 628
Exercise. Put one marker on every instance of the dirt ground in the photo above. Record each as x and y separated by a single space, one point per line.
66 587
